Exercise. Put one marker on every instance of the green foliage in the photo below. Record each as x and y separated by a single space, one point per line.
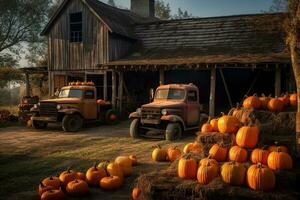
162 10
182 14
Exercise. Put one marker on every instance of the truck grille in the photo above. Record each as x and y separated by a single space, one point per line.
48 109
151 116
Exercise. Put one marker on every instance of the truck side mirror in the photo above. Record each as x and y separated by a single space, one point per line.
151 94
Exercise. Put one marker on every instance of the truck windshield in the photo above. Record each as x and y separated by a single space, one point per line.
169 94
75 93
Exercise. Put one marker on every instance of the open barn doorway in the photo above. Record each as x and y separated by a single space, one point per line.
97 79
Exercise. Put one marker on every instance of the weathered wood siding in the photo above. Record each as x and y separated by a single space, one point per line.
119 46
93 49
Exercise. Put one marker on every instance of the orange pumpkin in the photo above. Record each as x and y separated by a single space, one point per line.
218 152
94 175
260 177
136 192
101 102
125 163
233 173
173 153
53 195
133 159
67 176
209 160
247 136
44 188
252 102
280 160
293 99
276 146
275 105
260 156
207 127
80 176
159 154
187 168
115 169
111 183
214 124
77 188
228 124
192 147
237 154
206 173
264 100
52 181
285 99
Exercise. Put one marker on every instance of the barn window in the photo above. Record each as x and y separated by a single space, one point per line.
76 27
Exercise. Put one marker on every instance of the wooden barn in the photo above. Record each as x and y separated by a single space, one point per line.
127 52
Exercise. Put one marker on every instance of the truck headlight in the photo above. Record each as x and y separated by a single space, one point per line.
35 106
164 112
58 107
139 110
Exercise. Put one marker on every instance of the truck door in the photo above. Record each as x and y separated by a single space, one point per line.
89 105
193 108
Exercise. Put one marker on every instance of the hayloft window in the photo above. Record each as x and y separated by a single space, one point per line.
76 27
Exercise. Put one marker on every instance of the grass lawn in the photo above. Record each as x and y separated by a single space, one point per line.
27 156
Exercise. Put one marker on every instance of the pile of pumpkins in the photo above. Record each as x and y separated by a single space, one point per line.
106 175
260 175
275 104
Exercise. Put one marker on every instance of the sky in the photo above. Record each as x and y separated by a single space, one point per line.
209 8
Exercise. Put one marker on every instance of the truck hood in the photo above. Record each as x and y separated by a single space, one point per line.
62 100
163 104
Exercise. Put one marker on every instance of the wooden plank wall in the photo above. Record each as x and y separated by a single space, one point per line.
64 55
118 46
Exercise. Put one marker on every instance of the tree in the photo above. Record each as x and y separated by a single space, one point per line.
162 10
279 6
111 3
182 14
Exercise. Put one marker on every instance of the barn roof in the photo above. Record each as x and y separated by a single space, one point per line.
120 21
230 39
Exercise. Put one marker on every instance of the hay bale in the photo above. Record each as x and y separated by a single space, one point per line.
285 123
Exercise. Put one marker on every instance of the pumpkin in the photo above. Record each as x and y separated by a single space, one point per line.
209 160
214 124
233 173
115 169
187 168
111 183
264 100
237 154
173 153
101 102
94 175
103 164
52 181
133 159
125 163
252 102
285 99
260 156
77 188
53 195
206 173
136 192
80 175
260 177
275 105
78 83
192 147
67 176
293 99
278 160
228 124
43 188
218 152
159 154
90 83
247 136
207 127
276 146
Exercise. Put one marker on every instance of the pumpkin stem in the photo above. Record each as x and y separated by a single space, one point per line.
263 95
259 165
255 95
95 166
42 185
51 178
264 147
208 120
69 169
279 149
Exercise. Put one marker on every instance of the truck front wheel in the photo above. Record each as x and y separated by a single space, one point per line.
134 128
72 123
173 131
39 124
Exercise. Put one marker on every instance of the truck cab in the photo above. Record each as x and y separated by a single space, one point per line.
175 109
74 105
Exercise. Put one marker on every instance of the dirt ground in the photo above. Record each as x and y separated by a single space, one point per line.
27 156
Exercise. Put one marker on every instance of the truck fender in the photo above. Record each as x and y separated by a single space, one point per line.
173 118
69 111
134 115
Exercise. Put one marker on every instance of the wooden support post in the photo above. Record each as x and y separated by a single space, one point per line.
212 92
114 89
161 76
226 88
105 86
120 92
27 83
277 81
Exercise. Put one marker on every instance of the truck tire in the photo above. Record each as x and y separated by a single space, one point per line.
72 123
111 117
134 128
173 131
39 124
